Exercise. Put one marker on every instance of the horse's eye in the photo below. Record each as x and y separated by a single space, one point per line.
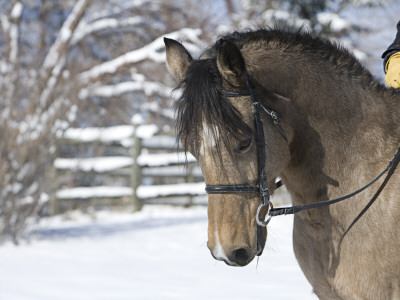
243 146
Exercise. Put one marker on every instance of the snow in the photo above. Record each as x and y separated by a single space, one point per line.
143 191
115 90
91 134
165 159
137 119
84 29
16 10
13 43
103 164
153 106
5 23
72 113
94 192
271 15
109 134
162 141
332 20
146 131
96 164
171 171
158 253
155 191
57 49
65 34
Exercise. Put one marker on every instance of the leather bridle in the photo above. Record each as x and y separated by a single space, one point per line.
262 187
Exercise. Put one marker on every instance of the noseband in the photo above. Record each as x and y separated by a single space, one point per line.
262 187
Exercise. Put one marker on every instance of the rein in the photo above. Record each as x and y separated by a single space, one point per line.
262 188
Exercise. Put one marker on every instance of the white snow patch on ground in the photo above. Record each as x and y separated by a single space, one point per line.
159 253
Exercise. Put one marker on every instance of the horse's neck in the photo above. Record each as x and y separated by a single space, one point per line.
344 129
340 154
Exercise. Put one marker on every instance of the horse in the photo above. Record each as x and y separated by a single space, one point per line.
338 128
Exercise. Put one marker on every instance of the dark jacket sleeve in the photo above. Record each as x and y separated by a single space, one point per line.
393 48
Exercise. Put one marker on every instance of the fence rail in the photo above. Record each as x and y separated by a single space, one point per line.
150 158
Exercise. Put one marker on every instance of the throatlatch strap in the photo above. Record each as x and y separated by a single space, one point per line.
226 189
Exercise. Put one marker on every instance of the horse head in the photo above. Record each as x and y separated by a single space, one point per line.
219 129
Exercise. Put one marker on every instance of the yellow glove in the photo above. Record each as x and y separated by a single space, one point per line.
392 78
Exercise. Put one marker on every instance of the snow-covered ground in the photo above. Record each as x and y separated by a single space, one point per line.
159 253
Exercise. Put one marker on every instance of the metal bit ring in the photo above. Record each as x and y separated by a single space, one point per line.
266 221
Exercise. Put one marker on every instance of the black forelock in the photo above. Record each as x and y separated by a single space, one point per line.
203 100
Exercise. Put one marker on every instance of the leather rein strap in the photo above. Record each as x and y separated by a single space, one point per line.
262 187
391 167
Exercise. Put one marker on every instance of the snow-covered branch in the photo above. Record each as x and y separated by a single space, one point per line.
64 36
108 91
55 59
10 27
121 8
148 52
84 29
51 82
14 21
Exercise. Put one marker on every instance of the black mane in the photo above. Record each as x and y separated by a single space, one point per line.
203 100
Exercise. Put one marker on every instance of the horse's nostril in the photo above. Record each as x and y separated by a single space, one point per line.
241 256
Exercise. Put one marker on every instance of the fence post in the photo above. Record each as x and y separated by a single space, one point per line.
190 179
53 203
136 173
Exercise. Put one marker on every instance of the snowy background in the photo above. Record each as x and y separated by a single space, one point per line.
159 252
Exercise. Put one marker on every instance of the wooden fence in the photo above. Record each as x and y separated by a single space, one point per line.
151 167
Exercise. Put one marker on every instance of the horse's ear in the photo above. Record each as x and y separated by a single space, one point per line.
178 58
230 62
